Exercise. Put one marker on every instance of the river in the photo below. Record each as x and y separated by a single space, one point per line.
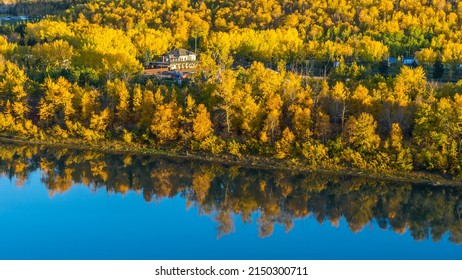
58 203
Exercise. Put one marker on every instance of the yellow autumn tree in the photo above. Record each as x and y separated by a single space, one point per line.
285 145
202 125
165 124
118 101
361 133
400 157
55 106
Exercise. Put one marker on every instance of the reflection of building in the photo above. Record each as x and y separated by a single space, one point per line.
177 59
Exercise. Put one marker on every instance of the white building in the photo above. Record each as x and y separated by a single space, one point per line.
177 59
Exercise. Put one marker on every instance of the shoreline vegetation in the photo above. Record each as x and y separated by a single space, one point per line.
253 162
389 100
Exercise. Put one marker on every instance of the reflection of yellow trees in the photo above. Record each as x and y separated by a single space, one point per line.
163 178
57 183
98 170
360 212
456 232
225 222
201 182
277 197
265 225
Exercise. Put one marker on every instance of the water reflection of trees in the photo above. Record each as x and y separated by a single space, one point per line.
224 192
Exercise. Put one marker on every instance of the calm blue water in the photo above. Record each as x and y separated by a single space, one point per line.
82 223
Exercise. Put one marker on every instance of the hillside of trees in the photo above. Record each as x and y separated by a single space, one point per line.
77 78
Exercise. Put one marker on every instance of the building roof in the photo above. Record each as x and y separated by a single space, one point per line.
179 52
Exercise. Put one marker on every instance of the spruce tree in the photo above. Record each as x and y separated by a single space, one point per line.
438 69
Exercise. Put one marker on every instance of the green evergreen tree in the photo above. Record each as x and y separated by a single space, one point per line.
438 69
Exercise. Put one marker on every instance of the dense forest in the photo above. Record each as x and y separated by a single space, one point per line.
76 77
227 193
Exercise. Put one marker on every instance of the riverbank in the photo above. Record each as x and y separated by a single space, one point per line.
251 162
